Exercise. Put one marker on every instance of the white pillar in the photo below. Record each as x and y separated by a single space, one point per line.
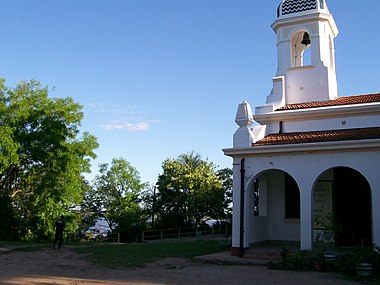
306 200
247 215
236 204
237 233
375 188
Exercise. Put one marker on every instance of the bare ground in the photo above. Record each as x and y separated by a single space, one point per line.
64 267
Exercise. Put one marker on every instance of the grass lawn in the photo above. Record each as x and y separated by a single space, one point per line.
136 255
24 245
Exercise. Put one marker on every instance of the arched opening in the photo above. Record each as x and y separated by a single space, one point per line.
274 205
345 195
306 56
301 49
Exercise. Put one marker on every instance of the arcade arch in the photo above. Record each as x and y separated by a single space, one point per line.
344 194
273 207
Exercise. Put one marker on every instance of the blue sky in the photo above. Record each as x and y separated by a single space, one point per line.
159 78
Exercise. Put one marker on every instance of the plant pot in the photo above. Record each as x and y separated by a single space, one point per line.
364 269
330 257
318 266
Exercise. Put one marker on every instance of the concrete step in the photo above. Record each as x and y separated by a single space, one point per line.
263 255
251 257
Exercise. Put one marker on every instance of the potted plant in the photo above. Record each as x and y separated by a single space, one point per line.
364 269
330 230
318 258
363 257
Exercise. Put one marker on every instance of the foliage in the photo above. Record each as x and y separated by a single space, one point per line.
361 254
306 260
331 229
225 175
315 259
148 197
189 192
284 253
8 218
115 198
42 158
137 255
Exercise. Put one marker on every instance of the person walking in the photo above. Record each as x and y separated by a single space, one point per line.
59 227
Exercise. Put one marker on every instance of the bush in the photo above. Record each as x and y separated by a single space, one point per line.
300 261
315 260
362 254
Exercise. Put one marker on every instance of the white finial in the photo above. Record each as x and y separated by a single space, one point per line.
244 116
243 137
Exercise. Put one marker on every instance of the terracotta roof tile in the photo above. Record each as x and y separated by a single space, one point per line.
320 136
347 100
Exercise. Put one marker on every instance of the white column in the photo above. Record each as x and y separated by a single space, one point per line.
306 200
236 204
375 188
247 214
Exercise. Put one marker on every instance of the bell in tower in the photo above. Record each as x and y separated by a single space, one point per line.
306 39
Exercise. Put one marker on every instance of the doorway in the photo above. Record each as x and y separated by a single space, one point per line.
352 207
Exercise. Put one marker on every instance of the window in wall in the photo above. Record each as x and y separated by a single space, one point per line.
292 198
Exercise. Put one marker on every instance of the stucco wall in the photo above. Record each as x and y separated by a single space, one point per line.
274 226
348 122
305 167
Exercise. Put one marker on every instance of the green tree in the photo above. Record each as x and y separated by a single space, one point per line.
189 191
8 147
115 197
191 159
41 171
148 197
225 175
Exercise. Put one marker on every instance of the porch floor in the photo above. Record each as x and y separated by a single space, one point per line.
255 255
261 254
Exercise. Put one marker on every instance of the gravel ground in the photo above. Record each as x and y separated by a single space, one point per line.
64 267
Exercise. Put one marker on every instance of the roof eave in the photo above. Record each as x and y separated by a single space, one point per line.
284 21
285 149
319 112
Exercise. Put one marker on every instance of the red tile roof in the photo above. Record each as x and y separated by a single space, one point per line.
320 136
347 100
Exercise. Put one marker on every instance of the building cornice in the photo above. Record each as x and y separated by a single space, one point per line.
322 147
342 111
291 20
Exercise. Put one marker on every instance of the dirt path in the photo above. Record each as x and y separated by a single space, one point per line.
64 267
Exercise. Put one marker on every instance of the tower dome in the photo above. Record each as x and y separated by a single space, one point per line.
290 7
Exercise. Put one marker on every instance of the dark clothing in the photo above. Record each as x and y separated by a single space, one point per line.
59 226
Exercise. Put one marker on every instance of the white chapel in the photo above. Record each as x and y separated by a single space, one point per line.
308 153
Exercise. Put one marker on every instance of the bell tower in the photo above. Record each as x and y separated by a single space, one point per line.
305 32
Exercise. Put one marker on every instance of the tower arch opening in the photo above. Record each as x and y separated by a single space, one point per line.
301 48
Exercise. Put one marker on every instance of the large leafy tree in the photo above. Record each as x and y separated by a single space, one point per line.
225 175
189 191
8 147
148 197
115 197
43 157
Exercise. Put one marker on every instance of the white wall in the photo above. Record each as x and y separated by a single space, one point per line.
305 168
279 227
347 122
271 225
307 84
